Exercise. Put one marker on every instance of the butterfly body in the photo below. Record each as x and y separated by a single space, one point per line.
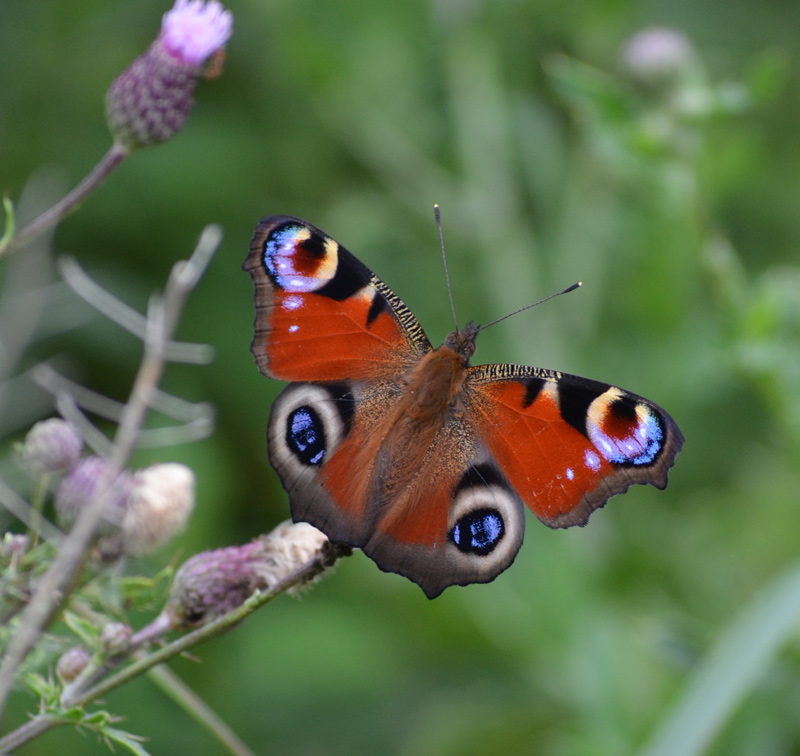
411 453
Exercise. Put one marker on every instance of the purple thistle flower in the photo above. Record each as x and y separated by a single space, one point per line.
81 484
192 31
149 102
214 582
52 445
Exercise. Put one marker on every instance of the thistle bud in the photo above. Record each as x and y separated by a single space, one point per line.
52 445
149 102
79 487
115 638
13 546
71 663
214 582
161 500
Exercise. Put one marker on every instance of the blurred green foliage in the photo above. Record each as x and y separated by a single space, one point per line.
675 203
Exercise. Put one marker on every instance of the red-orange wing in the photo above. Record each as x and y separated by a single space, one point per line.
567 444
321 314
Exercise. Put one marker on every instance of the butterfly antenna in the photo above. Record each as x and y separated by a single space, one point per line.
574 286
437 214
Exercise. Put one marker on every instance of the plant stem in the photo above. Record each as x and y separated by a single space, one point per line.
36 726
56 583
302 574
145 663
198 709
115 155
39 494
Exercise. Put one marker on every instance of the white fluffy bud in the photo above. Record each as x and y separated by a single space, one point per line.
159 506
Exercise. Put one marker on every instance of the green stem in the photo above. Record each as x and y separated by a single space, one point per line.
115 155
37 506
198 709
310 569
303 574
28 731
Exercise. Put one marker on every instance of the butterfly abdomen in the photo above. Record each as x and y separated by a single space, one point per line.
405 437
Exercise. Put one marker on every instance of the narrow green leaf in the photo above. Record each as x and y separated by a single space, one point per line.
131 742
84 629
10 229
728 673
99 719
142 592
41 687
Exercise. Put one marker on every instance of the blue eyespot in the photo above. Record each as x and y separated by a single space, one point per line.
305 435
641 444
478 532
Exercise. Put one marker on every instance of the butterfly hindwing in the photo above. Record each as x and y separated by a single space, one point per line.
475 529
318 439
456 519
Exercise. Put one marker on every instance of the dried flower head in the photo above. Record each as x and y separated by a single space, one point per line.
51 446
214 582
161 501
81 484
149 102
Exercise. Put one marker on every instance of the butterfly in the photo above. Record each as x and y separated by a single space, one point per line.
412 454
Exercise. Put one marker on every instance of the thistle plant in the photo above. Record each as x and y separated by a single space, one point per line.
147 104
71 568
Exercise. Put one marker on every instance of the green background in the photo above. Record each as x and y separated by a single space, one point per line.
676 205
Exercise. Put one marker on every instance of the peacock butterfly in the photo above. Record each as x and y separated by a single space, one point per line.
410 453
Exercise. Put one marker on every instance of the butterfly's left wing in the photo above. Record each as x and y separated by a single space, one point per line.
567 444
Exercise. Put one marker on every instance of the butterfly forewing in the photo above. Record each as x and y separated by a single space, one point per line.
321 314
567 444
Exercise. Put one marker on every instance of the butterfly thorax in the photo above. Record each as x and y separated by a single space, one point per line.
432 393
463 341
433 386
432 397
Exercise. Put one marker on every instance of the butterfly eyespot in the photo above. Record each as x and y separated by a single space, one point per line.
305 435
307 424
299 260
486 522
624 432
478 532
